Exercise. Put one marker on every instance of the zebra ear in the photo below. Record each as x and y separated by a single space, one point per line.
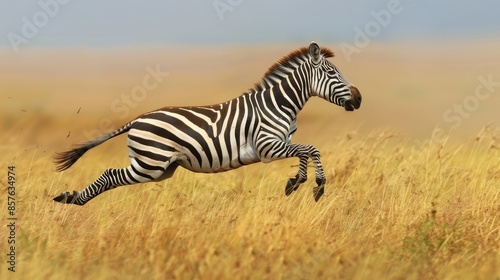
314 52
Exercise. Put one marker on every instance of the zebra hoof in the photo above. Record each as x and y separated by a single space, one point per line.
318 192
66 197
290 186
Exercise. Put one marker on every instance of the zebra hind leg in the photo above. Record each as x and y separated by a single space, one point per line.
110 179
169 172
66 197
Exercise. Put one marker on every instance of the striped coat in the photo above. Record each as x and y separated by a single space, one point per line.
255 127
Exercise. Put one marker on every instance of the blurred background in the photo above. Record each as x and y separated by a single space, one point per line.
72 70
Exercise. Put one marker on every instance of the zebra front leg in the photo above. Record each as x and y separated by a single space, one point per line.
294 183
304 152
320 175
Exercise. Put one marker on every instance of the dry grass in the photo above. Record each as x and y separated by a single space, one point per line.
393 209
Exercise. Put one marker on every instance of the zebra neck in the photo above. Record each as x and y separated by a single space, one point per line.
282 93
280 100
289 97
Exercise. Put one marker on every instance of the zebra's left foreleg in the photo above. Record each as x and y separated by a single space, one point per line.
303 152
294 183
320 174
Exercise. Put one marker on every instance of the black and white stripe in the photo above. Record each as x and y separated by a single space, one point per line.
256 126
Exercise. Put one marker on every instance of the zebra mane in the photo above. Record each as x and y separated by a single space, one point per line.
286 65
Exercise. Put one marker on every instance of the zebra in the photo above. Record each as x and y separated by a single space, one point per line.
255 127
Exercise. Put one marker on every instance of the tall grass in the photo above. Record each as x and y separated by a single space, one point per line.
394 208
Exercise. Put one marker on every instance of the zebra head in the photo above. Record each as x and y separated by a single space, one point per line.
328 83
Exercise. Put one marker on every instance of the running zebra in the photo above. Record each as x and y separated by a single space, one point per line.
254 127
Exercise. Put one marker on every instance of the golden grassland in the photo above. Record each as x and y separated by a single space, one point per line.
393 209
401 201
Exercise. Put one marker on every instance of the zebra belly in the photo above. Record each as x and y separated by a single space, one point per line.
211 163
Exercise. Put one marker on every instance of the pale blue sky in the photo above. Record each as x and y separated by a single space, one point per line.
116 23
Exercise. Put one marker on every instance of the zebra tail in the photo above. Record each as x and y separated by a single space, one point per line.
66 159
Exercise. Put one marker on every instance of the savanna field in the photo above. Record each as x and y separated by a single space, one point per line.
409 194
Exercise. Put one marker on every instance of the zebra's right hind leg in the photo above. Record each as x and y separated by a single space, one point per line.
112 178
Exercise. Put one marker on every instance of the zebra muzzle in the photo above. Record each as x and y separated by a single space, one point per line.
355 101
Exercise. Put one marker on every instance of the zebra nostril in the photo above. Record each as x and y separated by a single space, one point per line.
356 96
